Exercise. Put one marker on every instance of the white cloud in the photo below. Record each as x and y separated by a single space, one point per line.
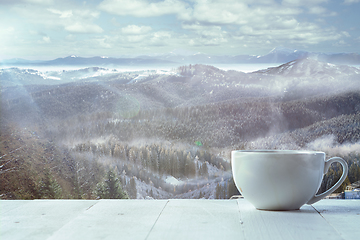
133 29
5 31
206 35
62 14
266 23
346 34
135 39
301 34
160 38
317 10
71 19
238 12
45 39
104 42
283 23
79 27
141 37
341 43
303 2
142 8
86 13
227 24
76 21
220 12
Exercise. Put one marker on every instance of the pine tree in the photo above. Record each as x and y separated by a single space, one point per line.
145 158
201 195
354 172
154 159
132 188
344 185
218 191
110 188
163 162
190 168
117 151
48 187
133 155
175 165
167 162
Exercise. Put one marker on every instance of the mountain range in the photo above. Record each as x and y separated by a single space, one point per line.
276 55
169 132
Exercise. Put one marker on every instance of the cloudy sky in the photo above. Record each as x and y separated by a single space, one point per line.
46 29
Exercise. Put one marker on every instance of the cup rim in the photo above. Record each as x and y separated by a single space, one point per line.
276 151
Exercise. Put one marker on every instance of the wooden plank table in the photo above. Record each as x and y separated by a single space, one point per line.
175 219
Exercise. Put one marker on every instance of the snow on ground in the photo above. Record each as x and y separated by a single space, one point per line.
173 181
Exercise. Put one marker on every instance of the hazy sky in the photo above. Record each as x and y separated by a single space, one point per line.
46 29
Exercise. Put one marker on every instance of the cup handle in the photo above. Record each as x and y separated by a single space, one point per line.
344 165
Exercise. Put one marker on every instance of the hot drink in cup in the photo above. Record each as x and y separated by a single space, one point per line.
282 179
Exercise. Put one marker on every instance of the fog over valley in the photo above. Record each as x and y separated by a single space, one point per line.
167 132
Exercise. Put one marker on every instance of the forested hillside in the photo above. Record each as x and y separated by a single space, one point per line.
170 135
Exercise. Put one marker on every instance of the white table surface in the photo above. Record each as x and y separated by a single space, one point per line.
175 219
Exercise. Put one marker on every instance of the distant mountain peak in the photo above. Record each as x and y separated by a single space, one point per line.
309 67
277 55
282 54
282 50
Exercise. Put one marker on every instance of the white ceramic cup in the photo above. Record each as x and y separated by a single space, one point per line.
282 179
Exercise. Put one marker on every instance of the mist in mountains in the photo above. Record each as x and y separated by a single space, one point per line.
169 133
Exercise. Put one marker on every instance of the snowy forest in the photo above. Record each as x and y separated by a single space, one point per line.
168 134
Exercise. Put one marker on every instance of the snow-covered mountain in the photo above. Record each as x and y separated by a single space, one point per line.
309 67
102 61
282 54
308 77
74 60
200 84
276 55
206 82
19 77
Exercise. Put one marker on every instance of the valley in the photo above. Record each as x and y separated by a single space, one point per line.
168 133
